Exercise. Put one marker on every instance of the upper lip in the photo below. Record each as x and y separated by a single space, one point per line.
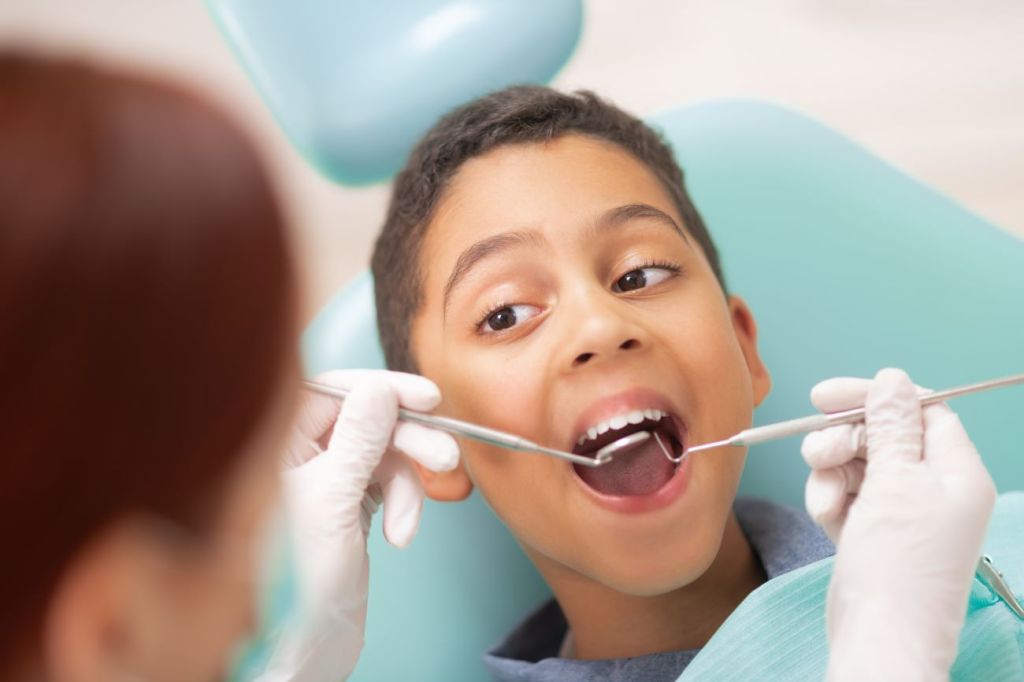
620 405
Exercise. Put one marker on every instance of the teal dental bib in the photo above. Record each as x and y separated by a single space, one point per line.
778 632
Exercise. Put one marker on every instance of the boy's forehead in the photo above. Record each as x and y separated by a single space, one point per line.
555 188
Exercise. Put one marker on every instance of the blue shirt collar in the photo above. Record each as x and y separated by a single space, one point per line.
782 538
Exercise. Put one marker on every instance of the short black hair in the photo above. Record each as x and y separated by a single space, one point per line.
521 114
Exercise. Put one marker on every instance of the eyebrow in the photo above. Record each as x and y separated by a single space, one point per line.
622 214
499 243
484 249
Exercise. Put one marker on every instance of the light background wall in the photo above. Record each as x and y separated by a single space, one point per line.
934 86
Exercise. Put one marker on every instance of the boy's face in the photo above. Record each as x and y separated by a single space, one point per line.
561 292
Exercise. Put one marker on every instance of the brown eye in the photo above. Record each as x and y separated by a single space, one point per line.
643 277
502 319
507 317
635 279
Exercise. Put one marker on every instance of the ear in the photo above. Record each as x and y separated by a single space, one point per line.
746 333
445 486
93 626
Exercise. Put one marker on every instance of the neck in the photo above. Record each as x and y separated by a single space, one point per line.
606 623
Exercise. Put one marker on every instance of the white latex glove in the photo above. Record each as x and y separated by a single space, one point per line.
338 468
908 511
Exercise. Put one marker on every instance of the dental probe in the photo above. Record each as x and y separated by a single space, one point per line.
792 427
493 436
985 571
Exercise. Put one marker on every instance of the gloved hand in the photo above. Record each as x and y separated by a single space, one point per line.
341 463
908 511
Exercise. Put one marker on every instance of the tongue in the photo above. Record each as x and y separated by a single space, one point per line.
639 471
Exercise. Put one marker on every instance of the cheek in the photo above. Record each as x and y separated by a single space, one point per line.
226 588
209 617
493 388
236 616
714 367
717 476
509 394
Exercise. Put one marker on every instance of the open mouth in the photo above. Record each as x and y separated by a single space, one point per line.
641 470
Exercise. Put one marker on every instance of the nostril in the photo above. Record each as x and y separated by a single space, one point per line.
582 358
628 344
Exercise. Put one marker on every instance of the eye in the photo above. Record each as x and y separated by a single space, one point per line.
643 277
506 317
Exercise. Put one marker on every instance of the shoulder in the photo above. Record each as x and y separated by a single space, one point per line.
784 538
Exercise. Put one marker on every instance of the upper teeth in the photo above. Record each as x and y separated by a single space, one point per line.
619 421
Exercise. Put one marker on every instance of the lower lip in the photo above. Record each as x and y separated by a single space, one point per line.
638 504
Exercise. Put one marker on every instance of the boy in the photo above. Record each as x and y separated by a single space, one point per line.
543 264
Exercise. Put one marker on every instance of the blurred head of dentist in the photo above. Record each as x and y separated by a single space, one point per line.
147 373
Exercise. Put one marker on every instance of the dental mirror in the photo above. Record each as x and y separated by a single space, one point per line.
609 451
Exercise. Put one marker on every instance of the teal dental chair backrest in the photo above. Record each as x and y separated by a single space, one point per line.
355 83
849 266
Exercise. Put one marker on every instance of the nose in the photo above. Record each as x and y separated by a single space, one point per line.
599 330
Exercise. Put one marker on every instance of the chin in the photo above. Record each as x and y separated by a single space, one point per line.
658 567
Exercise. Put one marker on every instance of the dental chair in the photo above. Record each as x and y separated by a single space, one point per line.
849 266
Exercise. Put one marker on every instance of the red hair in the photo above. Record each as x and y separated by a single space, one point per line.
146 314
